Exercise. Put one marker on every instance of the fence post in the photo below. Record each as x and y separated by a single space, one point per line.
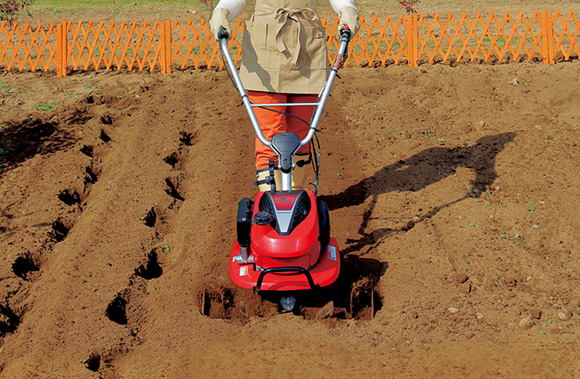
61 49
410 49
550 30
415 41
58 49
64 47
544 36
168 40
162 56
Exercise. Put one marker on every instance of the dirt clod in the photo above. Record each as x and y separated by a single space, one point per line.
466 287
462 278
526 323
408 226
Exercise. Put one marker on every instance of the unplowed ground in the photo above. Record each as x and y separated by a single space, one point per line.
118 200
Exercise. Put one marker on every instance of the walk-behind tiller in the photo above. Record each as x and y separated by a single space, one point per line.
283 242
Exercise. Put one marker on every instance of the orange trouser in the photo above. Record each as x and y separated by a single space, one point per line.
272 123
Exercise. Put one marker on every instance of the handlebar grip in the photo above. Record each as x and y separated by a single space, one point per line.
345 33
223 33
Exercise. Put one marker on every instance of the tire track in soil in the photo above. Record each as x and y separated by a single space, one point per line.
28 265
138 305
79 207
128 307
124 309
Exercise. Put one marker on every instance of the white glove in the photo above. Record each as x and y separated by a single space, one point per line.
348 16
219 18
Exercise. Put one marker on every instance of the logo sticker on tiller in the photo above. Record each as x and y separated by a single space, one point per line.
332 252
243 270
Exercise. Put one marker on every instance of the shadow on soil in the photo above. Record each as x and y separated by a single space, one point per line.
354 296
20 141
417 172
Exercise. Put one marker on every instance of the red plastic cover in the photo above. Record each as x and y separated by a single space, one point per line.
323 274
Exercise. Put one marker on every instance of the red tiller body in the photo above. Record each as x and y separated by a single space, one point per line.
277 248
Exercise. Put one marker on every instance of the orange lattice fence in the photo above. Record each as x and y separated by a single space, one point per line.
547 36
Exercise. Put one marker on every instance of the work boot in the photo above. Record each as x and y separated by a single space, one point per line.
261 175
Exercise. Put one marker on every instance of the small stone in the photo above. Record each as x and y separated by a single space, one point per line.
410 225
526 323
535 226
479 316
562 316
462 278
453 310
536 313
529 278
514 82
497 188
466 287
482 123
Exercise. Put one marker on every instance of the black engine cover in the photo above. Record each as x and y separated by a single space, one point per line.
288 209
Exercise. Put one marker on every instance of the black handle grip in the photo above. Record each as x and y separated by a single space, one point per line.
345 33
223 33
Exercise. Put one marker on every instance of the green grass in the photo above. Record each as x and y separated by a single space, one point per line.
45 107
499 39
120 7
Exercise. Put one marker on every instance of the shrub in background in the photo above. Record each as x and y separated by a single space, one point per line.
409 5
9 9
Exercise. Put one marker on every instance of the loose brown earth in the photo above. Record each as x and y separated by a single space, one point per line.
119 194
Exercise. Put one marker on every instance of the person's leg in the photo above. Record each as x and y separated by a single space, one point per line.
302 174
271 123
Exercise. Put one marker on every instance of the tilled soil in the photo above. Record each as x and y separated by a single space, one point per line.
453 189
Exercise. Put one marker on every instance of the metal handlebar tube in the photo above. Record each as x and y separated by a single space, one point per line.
242 91
273 105
286 184
342 50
